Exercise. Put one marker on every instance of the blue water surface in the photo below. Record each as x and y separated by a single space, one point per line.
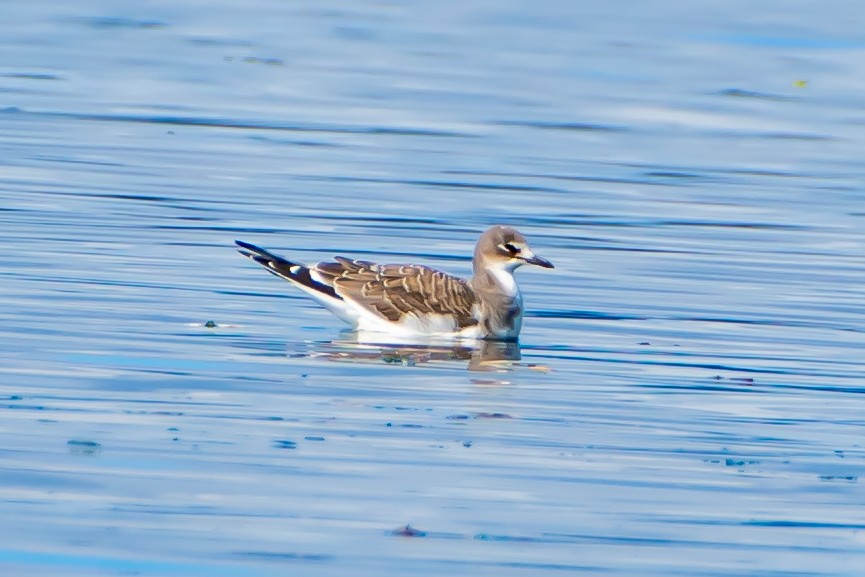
687 397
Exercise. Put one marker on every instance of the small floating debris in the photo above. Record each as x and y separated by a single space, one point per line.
313 438
493 416
801 84
850 478
739 462
284 444
408 531
82 447
211 324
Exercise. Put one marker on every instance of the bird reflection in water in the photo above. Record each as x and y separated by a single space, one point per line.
481 355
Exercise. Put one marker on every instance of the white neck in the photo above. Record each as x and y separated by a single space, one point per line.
505 278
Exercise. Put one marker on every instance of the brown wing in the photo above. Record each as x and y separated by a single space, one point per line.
393 291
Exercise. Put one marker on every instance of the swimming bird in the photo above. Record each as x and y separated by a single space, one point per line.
412 300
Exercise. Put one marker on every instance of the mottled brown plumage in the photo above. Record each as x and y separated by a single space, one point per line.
396 290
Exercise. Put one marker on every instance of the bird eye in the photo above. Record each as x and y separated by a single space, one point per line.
511 248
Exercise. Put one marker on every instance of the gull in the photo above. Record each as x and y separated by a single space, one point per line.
412 300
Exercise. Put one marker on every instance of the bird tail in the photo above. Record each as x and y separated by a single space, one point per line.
291 271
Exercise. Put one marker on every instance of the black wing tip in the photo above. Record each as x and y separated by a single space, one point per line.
258 254
247 246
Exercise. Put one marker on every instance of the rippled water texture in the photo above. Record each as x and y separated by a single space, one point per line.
688 396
